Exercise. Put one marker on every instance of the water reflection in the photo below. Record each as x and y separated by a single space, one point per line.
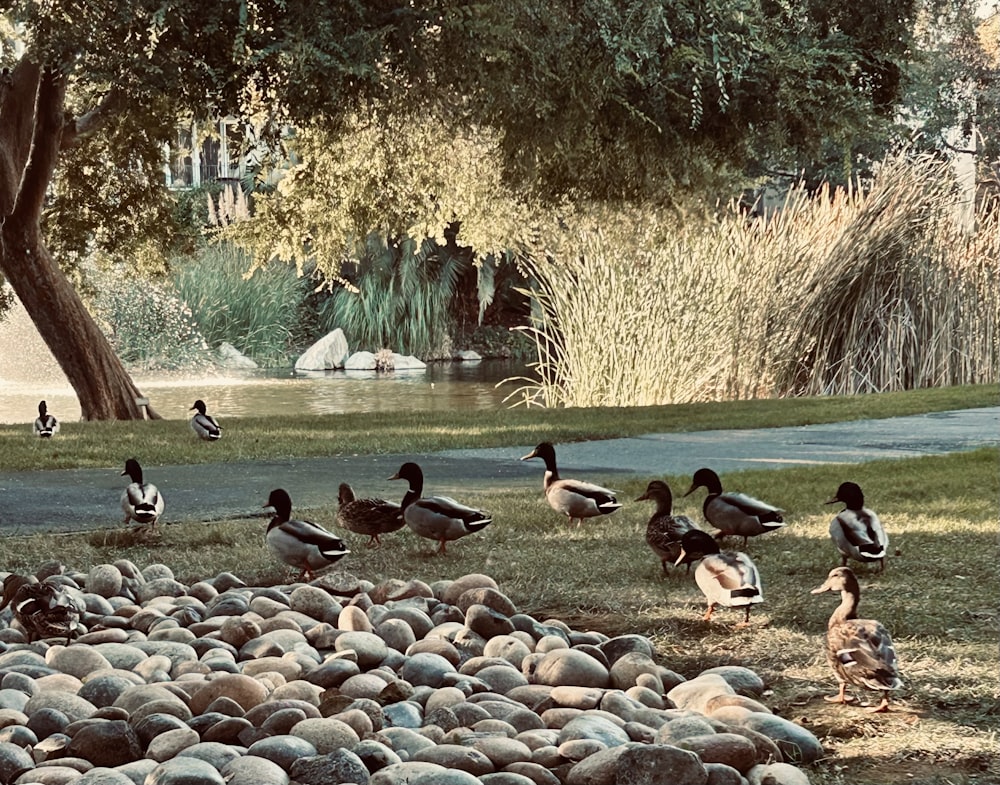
439 387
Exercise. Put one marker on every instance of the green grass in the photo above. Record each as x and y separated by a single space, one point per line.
938 594
165 442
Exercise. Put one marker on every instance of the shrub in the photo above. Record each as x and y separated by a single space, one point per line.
259 314
149 327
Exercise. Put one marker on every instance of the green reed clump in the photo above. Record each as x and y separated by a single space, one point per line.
399 296
258 313
840 292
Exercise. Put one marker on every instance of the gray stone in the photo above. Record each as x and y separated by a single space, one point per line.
73 706
184 771
282 750
570 666
427 669
593 727
421 773
649 764
601 767
104 580
743 680
795 742
108 743
326 734
100 775
777 774
14 761
250 770
336 767
212 752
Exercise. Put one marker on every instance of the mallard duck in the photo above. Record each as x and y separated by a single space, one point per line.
44 610
727 578
141 501
856 531
45 424
302 544
204 424
734 513
859 651
438 518
371 517
665 530
575 499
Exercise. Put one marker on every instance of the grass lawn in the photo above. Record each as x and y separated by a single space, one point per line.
938 594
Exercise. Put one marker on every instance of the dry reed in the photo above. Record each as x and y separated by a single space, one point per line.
840 292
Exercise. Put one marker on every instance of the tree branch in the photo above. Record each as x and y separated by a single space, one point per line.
44 153
90 122
17 109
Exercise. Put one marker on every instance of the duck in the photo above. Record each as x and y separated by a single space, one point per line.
734 513
372 517
141 501
298 543
856 530
859 651
727 578
665 530
204 424
439 518
573 498
44 610
45 424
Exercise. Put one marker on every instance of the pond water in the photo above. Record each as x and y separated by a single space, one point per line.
29 373
440 387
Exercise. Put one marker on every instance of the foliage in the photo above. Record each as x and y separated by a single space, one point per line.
399 296
149 327
842 293
952 96
257 313
392 174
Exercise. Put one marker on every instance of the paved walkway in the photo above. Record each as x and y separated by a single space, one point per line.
73 500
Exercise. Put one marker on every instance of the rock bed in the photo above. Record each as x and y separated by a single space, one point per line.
343 681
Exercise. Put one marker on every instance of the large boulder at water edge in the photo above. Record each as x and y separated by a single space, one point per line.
231 357
327 353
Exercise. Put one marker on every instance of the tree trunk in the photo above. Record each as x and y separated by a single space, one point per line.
32 122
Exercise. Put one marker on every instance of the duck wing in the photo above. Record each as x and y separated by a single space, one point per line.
307 533
581 499
862 652
370 516
206 426
730 578
737 513
859 533
665 531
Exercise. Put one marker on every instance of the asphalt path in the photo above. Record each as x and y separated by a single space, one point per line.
83 499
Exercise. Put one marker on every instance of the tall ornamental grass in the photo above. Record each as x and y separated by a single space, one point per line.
257 313
837 293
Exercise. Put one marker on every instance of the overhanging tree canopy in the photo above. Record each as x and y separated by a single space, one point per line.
603 98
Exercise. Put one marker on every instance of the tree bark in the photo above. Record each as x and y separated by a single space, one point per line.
32 120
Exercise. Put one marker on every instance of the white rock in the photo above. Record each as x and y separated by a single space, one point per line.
360 361
231 357
327 353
